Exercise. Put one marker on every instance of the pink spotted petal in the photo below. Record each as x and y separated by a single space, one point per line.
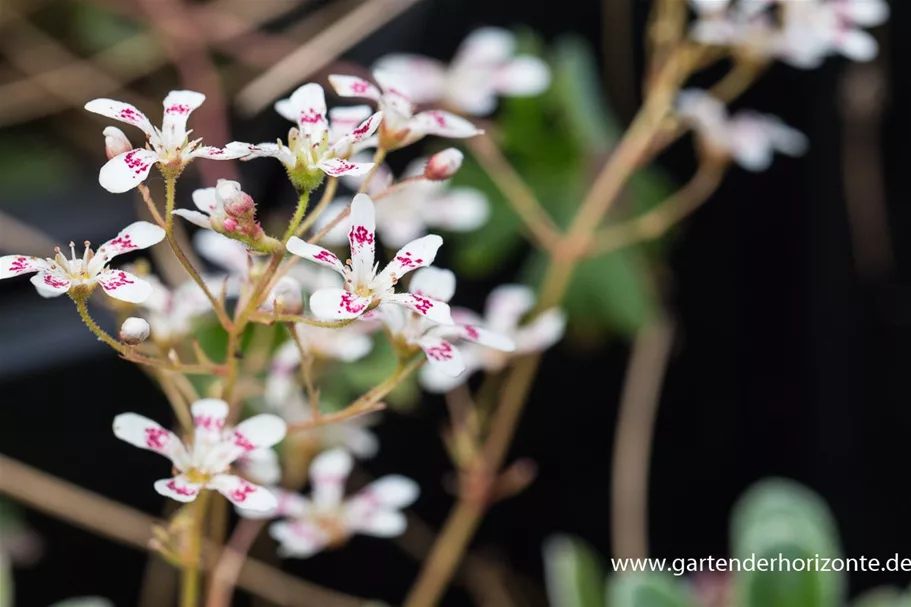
257 432
50 283
416 254
425 77
178 488
328 474
288 505
308 103
431 309
260 466
443 124
506 305
314 253
125 171
243 494
337 304
15 265
392 491
336 167
123 112
432 282
442 355
144 433
124 286
206 200
344 119
345 145
209 416
178 106
298 538
249 151
138 235
195 217
482 336
352 86
362 236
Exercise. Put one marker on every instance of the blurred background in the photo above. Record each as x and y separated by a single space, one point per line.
787 294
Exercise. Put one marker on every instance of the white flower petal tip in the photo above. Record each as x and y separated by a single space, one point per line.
243 494
125 171
435 283
178 488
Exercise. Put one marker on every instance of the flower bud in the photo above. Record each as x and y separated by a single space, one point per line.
235 201
443 165
285 297
134 331
115 142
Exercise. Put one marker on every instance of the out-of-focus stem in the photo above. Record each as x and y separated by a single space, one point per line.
633 438
226 571
189 594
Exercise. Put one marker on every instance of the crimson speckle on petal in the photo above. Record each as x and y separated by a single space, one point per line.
441 352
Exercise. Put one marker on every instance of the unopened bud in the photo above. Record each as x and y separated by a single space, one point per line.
443 165
134 331
115 142
235 201
285 297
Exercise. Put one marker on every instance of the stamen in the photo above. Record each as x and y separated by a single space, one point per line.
73 250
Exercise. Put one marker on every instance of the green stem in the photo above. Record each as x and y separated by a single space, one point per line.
190 586
170 189
90 323
298 216
320 208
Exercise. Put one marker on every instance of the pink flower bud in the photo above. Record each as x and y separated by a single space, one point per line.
443 165
236 202
134 331
115 142
229 224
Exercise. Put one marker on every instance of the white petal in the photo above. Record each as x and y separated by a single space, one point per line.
137 235
443 124
362 442
260 466
362 236
298 538
124 286
195 217
314 253
178 488
542 332
710 6
435 311
435 283
123 112
460 210
328 474
392 491
506 305
336 167
257 432
366 128
249 151
436 382
868 13
416 254
339 233
481 336
216 153
343 344
485 46
144 433
223 251
308 103
378 523
442 355
209 416
50 283
857 45
178 106
243 494
16 265
125 171
206 200
337 304
524 75
425 77
352 86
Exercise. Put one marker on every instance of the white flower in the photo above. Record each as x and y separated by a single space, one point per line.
325 520
310 151
364 287
400 125
749 137
484 67
506 305
205 464
408 211
228 254
61 275
809 30
171 313
211 204
416 331
169 147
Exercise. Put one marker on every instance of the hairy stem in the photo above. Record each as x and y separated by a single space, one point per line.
80 302
298 216
189 594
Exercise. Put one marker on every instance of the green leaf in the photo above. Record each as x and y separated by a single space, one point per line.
574 575
790 526
648 589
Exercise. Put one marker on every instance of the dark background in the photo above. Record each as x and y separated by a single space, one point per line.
788 361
